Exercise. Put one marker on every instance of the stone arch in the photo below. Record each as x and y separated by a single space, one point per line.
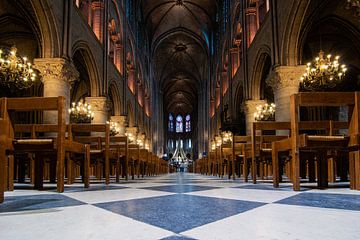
83 51
50 40
292 33
238 100
115 97
261 70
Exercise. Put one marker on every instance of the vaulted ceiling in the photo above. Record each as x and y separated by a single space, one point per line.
179 32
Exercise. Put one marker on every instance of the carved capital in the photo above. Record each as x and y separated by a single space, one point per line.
250 105
121 120
285 76
56 69
133 130
99 104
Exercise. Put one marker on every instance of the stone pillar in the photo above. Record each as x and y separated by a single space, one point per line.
98 9
235 60
99 107
120 120
118 50
251 23
284 81
250 109
57 76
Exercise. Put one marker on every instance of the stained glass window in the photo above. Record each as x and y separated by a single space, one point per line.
188 123
179 124
171 123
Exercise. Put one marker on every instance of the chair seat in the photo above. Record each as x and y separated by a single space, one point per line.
34 141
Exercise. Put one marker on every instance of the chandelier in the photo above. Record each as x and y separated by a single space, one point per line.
130 136
265 112
354 4
15 71
81 112
226 136
323 73
114 128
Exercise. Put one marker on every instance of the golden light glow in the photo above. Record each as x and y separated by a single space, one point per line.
16 71
81 112
323 72
265 112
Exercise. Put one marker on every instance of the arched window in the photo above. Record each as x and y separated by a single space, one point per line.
188 123
171 123
179 124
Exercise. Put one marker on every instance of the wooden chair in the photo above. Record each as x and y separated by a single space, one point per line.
240 150
227 159
55 145
119 156
134 151
144 160
261 144
99 146
320 145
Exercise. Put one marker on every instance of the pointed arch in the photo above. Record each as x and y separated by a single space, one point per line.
90 65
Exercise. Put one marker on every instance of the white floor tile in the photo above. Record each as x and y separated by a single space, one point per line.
265 196
279 222
76 223
114 195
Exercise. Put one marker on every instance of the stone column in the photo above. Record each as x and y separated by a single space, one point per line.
118 51
251 23
120 120
98 9
57 76
100 108
284 81
250 109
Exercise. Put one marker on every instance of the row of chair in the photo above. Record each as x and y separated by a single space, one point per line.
60 150
295 149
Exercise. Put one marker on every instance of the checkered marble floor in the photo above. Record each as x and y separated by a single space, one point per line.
180 206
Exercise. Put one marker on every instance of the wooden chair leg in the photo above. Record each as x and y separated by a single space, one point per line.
323 170
39 173
87 167
2 173
246 170
275 163
10 180
331 170
32 169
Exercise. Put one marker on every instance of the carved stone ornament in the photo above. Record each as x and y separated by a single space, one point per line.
250 105
100 104
285 76
56 69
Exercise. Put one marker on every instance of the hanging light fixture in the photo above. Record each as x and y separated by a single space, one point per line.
265 112
15 71
354 4
114 128
130 135
81 112
323 73
226 136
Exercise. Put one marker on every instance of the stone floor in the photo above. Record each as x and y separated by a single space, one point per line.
180 206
